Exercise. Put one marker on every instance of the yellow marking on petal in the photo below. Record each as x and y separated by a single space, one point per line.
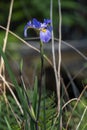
43 30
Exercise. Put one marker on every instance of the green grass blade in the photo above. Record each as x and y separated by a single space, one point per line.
44 108
11 75
23 101
35 95
8 125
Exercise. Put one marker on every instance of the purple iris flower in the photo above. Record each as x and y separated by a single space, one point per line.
44 29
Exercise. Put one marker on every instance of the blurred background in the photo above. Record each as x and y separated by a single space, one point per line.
74 27
74 16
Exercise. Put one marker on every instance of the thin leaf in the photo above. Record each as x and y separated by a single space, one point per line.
35 95
21 65
24 102
8 125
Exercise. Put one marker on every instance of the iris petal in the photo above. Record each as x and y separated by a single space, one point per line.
45 36
29 24
36 23
49 28
43 25
25 30
47 21
44 29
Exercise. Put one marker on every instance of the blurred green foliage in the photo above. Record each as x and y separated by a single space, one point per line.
77 115
73 14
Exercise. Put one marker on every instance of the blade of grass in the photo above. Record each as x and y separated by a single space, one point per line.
6 35
7 85
11 75
81 118
8 125
2 67
35 95
24 102
78 99
44 107
26 98
26 43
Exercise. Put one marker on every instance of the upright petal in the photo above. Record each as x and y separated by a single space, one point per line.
47 21
43 25
36 23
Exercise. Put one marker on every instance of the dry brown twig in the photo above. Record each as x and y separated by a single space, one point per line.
57 73
75 106
2 66
59 53
6 35
11 91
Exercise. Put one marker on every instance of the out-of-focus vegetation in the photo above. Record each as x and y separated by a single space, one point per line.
74 15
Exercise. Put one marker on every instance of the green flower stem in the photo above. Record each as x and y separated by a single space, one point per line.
41 75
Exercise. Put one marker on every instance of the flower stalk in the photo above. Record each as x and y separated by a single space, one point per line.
44 29
41 77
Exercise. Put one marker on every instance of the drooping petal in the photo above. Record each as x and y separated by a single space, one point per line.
25 32
29 24
45 36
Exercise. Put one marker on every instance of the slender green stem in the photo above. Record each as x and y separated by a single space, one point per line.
41 75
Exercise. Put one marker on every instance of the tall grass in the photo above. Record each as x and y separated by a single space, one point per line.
19 108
